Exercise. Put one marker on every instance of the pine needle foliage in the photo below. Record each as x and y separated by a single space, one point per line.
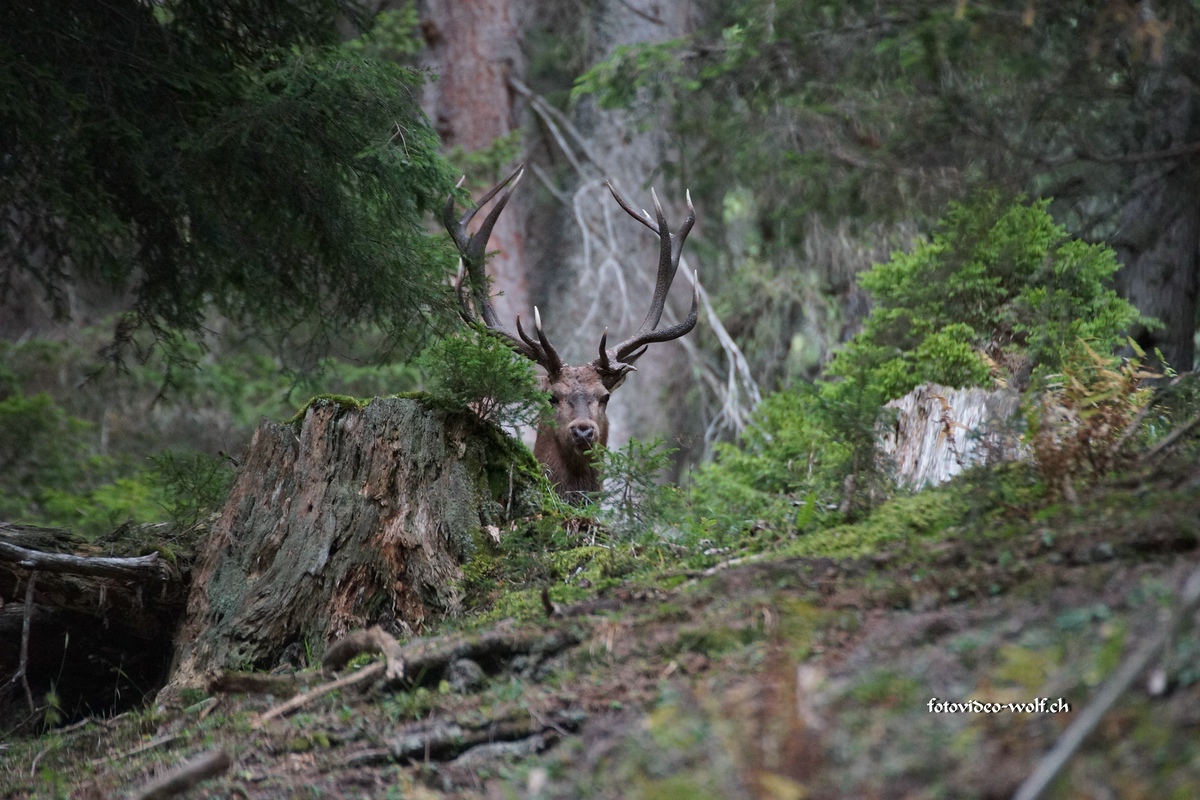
229 156
472 368
998 295
999 289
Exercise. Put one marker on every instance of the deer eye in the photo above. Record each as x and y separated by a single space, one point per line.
604 399
555 399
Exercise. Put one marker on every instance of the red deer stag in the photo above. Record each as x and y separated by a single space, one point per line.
578 395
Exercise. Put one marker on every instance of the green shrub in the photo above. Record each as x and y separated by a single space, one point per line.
41 450
997 294
475 369
788 460
994 287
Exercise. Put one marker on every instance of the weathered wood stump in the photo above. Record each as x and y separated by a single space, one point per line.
940 431
347 517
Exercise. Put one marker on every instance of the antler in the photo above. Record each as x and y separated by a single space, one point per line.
472 250
615 363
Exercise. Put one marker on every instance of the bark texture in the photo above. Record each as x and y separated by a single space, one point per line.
939 432
486 89
346 518
474 48
1159 247
1158 240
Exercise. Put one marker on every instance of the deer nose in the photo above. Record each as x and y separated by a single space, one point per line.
583 432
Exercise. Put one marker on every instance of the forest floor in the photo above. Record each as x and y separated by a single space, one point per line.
780 675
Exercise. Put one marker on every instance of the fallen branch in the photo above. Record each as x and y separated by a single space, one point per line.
585 608
444 739
256 683
186 775
420 660
22 673
157 741
431 658
1053 762
301 700
132 569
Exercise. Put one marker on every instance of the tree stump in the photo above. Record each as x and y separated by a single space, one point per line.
940 431
346 517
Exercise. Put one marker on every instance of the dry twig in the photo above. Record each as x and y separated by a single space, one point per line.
186 775
301 700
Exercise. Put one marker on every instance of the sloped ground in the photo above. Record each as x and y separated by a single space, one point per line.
782 676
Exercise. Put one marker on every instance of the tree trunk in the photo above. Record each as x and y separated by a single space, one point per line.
1159 247
1158 241
347 518
588 280
474 48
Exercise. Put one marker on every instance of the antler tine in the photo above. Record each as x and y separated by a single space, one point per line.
670 249
473 251
664 335
464 300
552 362
645 220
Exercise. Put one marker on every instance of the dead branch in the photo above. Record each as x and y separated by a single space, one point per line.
156 742
1053 762
443 739
301 700
138 568
186 775
738 393
434 657
22 673
422 658
257 683
1171 438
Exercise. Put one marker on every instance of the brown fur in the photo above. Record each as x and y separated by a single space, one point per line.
579 404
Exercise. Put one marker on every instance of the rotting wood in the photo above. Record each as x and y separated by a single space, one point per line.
426 661
422 661
85 609
940 431
186 775
345 517
155 743
22 673
444 739
259 683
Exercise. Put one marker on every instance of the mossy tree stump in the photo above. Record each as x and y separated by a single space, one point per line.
345 517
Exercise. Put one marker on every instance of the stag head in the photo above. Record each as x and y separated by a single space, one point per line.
578 394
